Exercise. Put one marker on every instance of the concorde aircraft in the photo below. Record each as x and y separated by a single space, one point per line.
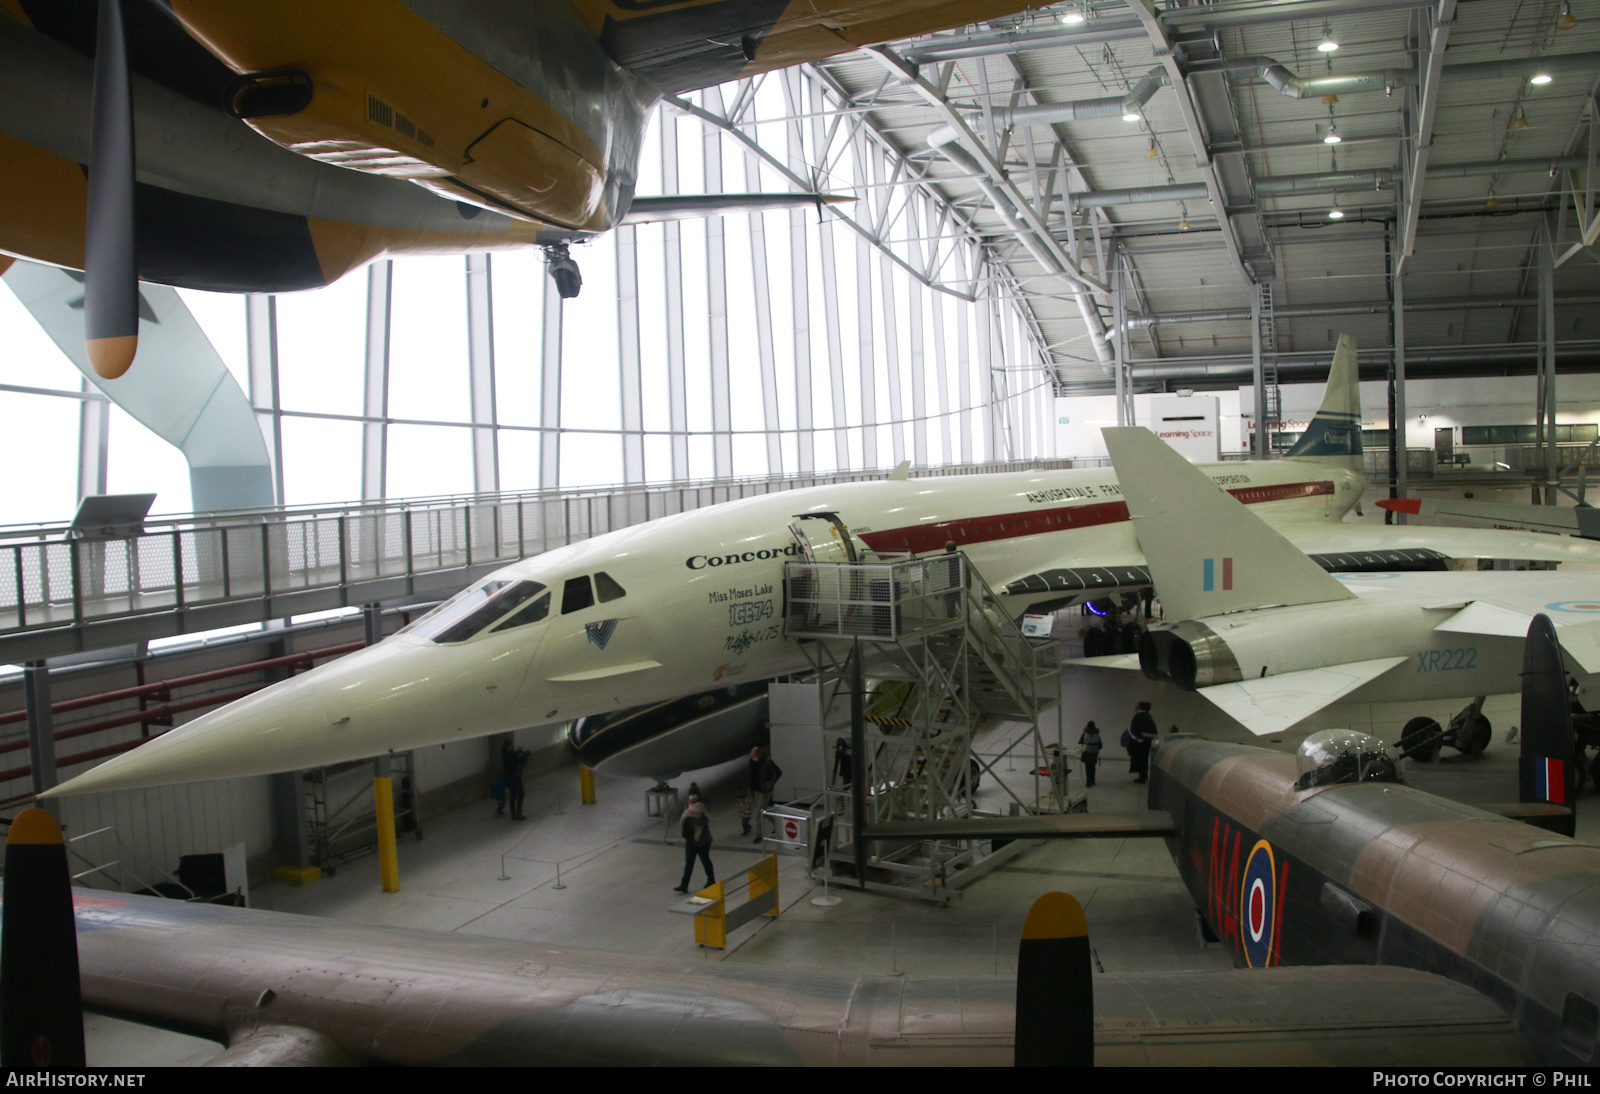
695 601
1271 638
272 147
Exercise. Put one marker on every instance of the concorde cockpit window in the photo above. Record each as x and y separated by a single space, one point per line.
469 612
606 587
577 596
534 612
1334 756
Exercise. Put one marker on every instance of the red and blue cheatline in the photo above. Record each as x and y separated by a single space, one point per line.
1550 780
1211 574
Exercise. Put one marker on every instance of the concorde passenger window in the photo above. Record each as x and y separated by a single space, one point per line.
577 596
606 587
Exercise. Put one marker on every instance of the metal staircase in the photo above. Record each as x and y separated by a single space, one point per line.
944 656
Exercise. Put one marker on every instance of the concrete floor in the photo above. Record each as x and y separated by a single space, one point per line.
479 874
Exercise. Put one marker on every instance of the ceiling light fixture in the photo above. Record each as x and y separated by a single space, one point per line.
1327 45
1132 116
1183 225
1333 135
1520 120
1073 18
1541 79
1567 20
1151 153
1336 214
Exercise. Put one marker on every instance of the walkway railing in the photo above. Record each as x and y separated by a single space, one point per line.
189 573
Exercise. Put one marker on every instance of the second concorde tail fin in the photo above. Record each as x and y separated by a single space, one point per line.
1334 436
1208 554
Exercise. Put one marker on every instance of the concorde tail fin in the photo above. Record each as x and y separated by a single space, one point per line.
1207 553
1334 436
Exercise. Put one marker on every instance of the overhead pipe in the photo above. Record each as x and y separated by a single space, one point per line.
946 142
1322 183
1112 106
1386 80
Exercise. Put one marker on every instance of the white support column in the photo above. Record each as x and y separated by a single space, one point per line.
94 440
631 379
868 367
375 382
677 387
480 370
550 389
805 438
964 372
261 344
919 362
891 361
942 377
764 344
717 297
829 287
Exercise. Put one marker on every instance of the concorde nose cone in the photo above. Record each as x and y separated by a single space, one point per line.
329 715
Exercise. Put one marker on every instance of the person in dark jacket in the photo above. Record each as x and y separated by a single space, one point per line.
512 761
1090 740
1142 731
696 843
764 775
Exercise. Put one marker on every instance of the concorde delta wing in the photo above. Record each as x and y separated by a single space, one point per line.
1327 542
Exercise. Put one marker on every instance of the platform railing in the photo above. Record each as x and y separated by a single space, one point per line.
49 579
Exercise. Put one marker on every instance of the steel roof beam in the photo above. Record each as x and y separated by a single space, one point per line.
1258 266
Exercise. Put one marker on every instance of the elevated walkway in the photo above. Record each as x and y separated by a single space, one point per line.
179 575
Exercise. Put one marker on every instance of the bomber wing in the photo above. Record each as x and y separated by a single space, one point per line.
682 46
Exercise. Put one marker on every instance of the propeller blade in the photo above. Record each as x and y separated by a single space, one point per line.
41 1008
1055 996
110 265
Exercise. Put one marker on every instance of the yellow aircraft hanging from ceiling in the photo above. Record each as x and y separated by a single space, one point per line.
281 145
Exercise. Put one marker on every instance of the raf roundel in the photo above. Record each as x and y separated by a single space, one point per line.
1258 905
1573 606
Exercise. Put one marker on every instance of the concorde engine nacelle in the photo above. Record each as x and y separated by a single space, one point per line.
1189 654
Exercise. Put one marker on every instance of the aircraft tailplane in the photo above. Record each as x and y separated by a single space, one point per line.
1333 439
1207 553
1547 769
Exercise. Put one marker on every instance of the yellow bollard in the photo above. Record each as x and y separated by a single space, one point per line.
586 784
388 859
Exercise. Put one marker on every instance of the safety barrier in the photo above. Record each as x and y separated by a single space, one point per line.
713 922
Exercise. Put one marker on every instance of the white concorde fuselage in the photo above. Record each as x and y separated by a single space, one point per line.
701 603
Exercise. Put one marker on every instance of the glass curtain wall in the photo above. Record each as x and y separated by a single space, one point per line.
848 336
